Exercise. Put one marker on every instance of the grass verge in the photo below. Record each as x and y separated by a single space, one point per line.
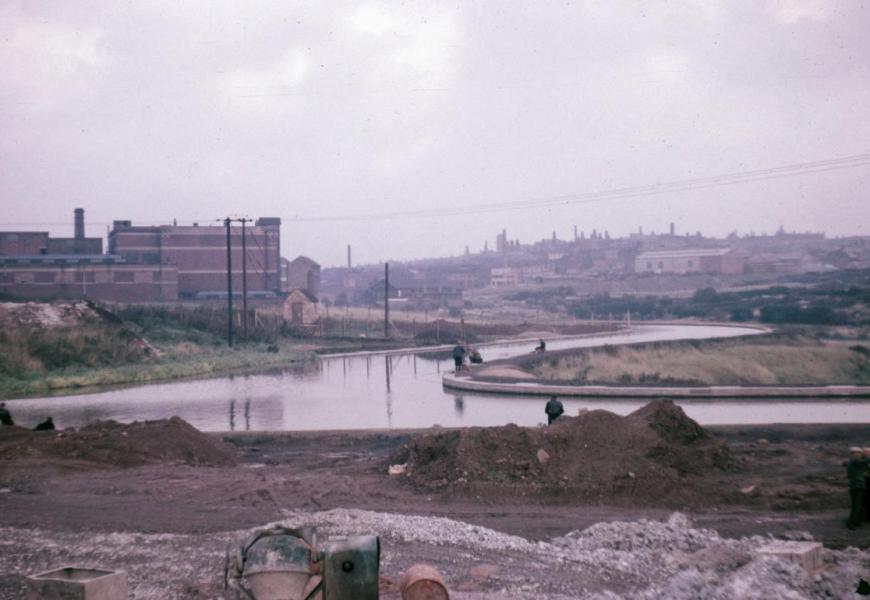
778 359
165 368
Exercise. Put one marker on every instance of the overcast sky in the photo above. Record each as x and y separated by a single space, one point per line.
195 110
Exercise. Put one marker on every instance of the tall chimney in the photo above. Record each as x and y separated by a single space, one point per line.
673 229
79 223
348 257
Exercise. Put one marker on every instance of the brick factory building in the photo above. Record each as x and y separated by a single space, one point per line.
199 253
34 243
99 277
161 263
36 266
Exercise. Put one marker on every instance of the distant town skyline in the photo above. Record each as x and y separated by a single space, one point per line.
198 110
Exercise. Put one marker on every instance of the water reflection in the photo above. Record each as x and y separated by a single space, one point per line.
320 395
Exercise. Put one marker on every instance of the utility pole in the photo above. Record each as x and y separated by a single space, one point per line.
386 300
244 282
229 285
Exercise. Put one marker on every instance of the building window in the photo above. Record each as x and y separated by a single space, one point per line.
44 277
123 276
691 264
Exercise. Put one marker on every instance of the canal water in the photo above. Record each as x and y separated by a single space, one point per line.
396 391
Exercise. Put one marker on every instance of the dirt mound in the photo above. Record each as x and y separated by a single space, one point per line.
654 455
115 444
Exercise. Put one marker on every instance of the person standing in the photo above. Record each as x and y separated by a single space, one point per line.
867 485
554 409
5 415
458 355
856 471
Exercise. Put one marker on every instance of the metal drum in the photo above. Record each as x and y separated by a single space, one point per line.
423 582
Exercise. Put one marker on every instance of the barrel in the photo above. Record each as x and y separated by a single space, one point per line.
423 582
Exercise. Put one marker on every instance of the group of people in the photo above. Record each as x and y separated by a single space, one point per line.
460 352
858 473
7 420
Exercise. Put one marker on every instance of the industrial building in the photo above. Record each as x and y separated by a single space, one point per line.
35 243
200 254
100 277
700 260
301 273
35 265
163 263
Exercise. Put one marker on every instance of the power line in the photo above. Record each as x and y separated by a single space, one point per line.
683 185
674 186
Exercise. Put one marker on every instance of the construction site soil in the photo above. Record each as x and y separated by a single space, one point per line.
655 455
491 507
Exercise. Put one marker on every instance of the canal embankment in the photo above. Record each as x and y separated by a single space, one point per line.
782 364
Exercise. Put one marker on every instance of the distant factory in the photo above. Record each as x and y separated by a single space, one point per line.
153 263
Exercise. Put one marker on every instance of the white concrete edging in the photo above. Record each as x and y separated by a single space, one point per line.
454 382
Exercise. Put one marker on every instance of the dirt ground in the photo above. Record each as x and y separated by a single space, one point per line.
168 518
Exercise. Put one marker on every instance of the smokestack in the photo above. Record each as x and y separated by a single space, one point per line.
672 229
575 233
79 223
348 257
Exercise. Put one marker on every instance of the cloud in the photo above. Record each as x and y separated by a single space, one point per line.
792 11
281 77
422 38
43 60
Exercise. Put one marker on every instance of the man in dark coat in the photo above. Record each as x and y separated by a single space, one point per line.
554 410
458 355
5 415
867 485
856 471
47 425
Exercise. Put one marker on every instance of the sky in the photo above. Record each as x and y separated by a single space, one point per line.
160 110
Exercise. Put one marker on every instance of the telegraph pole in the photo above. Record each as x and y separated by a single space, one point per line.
229 285
386 300
244 282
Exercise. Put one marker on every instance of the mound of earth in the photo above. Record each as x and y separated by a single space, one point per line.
655 455
116 444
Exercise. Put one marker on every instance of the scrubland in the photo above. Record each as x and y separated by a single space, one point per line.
779 359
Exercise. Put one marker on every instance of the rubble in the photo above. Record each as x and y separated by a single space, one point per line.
643 559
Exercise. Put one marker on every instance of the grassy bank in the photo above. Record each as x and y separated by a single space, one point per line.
73 346
169 366
779 359
65 347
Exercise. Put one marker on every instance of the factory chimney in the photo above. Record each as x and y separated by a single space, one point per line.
673 229
348 257
79 223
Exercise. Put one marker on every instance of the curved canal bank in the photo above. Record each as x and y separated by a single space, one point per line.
468 383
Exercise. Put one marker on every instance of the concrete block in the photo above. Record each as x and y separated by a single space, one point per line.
807 554
76 583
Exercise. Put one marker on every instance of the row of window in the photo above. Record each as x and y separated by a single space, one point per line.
49 277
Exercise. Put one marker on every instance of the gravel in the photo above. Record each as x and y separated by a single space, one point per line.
636 559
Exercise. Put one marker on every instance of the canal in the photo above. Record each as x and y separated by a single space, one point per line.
397 390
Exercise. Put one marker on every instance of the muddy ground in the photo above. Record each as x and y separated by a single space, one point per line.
168 522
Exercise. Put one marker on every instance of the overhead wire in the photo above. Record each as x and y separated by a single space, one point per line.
674 186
